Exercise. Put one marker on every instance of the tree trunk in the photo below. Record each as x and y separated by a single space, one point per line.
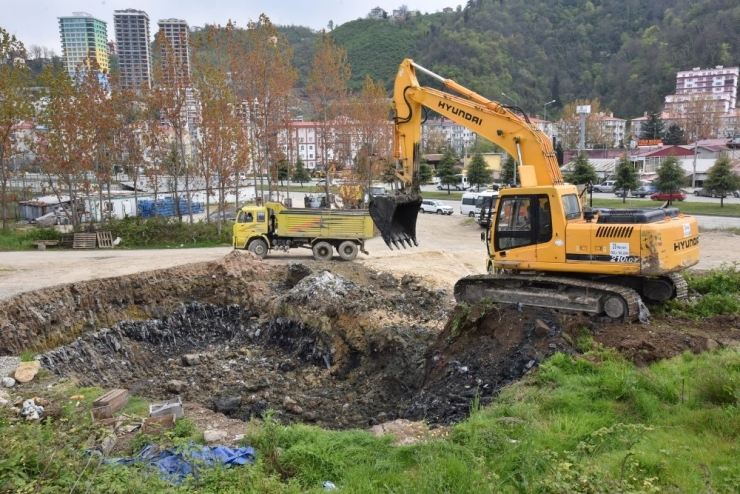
3 189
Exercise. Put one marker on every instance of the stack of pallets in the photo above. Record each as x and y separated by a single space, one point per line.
166 207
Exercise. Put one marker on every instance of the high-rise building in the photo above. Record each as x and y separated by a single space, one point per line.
717 85
134 52
83 38
176 68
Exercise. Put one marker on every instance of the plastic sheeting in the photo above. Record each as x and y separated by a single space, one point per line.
174 465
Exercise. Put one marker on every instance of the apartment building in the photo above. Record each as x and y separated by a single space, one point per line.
83 38
458 137
178 34
133 46
717 85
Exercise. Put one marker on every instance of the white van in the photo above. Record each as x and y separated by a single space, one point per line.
483 203
462 183
467 204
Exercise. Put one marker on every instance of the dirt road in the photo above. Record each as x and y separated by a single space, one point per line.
449 248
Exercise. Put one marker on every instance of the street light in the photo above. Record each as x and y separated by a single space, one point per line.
548 103
512 99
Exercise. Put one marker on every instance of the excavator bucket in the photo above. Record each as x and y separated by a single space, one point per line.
395 217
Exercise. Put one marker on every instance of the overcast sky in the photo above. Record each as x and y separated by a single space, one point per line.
34 22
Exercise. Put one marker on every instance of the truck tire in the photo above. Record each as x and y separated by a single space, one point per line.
259 247
322 251
348 250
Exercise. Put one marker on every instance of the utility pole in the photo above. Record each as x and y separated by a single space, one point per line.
548 103
696 147
583 111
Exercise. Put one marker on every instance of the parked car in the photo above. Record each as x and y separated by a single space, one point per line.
433 206
607 186
619 192
322 183
224 215
736 193
644 191
705 193
666 196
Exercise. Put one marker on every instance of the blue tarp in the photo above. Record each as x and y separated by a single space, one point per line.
175 465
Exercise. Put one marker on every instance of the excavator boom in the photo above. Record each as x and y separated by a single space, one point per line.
395 216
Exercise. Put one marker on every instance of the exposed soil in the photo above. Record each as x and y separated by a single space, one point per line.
335 344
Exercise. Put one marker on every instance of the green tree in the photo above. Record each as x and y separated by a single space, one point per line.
581 171
283 171
328 94
626 177
446 169
674 136
478 171
507 171
388 172
652 128
300 174
483 145
671 176
721 180
425 171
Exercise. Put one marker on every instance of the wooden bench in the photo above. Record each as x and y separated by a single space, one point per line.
42 244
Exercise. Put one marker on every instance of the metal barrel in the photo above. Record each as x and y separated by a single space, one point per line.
395 217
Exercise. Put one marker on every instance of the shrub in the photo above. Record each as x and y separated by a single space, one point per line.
724 280
160 231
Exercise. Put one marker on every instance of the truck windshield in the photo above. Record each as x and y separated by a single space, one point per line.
484 201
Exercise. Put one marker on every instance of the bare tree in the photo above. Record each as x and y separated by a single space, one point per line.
597 133
264 78
35 52
219 128
327 90
172 84
72 145
15 107
373 131
699 116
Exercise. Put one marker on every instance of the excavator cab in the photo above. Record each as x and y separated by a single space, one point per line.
395 216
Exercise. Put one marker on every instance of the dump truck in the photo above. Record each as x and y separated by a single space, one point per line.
274 226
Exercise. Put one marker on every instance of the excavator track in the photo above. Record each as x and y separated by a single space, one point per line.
682 288
618 303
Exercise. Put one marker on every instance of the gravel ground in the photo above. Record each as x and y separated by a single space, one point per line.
8 365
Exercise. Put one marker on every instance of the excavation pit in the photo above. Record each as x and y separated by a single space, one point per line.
336 374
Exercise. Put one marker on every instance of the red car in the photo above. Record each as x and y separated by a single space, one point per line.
665 196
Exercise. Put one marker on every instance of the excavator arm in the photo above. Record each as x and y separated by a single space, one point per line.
395 216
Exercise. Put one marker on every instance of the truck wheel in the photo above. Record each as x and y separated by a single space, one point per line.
322 251
347 250
259 247
471 215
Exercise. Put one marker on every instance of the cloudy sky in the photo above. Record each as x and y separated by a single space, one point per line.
35 22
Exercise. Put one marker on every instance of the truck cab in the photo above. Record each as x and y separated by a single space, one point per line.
252 221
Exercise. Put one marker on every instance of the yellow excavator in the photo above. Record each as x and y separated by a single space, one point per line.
544 249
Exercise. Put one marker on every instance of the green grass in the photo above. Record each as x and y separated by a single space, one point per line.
711 208
594 423
136 233
718 290
22 239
